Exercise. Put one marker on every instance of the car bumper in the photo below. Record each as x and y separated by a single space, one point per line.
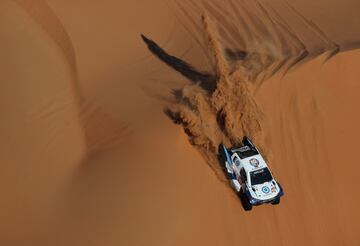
255 201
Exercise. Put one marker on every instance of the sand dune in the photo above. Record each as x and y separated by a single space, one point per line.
88 156
100 130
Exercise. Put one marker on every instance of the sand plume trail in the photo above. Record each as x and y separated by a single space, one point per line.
224 114
207 80
247 43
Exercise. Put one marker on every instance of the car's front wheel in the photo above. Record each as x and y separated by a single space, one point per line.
276 201
245 201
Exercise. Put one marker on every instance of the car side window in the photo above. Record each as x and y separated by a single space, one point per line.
237 162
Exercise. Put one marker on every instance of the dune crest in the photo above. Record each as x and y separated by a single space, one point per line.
259 38
100 130
46 18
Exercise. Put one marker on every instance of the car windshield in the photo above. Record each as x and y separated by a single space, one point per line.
247 153
260 176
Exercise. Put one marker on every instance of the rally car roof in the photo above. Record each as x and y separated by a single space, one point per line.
253 163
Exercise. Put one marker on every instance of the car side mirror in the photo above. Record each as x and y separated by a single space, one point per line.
235 185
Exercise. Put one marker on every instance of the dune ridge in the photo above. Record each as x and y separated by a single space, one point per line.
45 17
100 130
257 38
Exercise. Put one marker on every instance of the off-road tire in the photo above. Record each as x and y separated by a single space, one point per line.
276 201
245 201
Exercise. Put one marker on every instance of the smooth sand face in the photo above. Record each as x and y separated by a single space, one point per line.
88 157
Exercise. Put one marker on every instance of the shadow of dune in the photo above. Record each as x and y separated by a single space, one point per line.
100 129
45 17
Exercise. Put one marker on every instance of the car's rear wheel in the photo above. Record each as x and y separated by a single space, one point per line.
276 201
245 201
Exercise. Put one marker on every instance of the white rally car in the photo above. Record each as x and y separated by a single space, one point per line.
249 175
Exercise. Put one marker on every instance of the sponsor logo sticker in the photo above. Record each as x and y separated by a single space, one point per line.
265 189
254 162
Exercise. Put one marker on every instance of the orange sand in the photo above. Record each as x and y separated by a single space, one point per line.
88 157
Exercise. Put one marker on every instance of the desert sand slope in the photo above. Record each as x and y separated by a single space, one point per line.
316 143
87 156
41 138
